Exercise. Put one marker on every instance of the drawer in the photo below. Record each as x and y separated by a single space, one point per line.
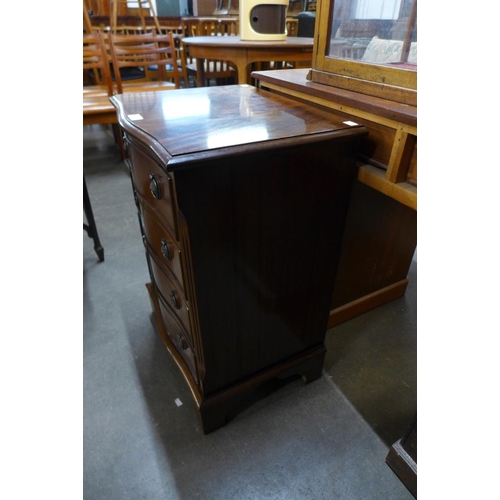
154 186
162 244
178 337
172 294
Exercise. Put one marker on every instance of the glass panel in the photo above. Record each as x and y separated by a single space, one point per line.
375 31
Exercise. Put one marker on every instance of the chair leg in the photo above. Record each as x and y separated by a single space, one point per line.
91 227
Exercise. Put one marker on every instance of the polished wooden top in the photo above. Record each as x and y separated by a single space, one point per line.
211 121
236 42
296 81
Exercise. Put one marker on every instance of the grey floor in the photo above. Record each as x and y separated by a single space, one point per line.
326 440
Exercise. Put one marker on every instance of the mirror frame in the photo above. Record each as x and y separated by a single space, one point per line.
395 84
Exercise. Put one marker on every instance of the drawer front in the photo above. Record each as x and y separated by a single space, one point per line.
178 336
162 244
172 294
154 185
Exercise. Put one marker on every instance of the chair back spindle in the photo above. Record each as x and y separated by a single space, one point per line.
154 55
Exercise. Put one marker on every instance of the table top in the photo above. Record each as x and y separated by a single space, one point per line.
235 41
214 120
295 80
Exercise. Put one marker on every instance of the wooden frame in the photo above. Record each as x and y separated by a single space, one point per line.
395 84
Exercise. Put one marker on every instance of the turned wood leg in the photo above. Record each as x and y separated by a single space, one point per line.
91 226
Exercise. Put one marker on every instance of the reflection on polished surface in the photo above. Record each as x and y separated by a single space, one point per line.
224 110
245 135
186 107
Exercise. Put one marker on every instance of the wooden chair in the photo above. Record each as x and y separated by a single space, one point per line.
144 6
218 70
87 24
292 27
153 54
215 26
177 34
95 61
97 108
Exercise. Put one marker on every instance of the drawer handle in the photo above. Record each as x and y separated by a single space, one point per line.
166 250
175 300
154 186
181 342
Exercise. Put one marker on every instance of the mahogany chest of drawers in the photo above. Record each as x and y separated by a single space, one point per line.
242 198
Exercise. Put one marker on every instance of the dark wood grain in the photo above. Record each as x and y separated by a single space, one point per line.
204 122
258 187
265 235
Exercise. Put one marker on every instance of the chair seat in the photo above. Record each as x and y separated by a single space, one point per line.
149 86
94 91
96 104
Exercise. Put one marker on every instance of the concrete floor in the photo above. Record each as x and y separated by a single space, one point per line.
327 440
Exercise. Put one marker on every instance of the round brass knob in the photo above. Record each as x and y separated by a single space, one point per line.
166 250
175 300
154 186
181 342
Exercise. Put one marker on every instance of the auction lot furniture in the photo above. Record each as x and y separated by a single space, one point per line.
242 198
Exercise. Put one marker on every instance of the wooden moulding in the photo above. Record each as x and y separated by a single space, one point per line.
403 192
366 303
376 89
378 80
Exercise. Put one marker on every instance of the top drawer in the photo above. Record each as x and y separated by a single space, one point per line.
154 186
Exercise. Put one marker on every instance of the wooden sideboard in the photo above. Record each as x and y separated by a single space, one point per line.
381 231
242 199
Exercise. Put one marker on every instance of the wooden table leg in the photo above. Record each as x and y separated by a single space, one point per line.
241 67
91 227
200 72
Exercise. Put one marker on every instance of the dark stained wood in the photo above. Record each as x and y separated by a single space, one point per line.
188 126
258 187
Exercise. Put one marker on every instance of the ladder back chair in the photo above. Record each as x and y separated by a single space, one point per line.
95 60
215 26
97 108
218 70
144 7
154 55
